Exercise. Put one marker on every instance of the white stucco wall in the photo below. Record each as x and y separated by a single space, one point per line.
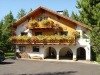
21 28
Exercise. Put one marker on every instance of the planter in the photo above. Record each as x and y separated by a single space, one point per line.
44 41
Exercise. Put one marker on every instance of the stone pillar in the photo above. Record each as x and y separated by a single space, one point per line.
88 53
42 51
57 56
74 55
57 50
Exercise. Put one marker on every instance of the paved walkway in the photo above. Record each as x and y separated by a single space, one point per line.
47 67
79 61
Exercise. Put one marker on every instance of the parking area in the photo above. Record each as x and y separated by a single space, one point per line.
35 67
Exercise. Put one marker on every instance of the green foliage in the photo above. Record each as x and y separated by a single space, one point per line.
40 38
98 58
9 54
21 13
74 16
90 14
65 13
5 32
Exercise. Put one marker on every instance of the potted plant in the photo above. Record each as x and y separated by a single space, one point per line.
36 40
31 40
46 23
33 23
13 39
57 26
71 39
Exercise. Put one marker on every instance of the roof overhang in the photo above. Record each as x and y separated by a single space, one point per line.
28 16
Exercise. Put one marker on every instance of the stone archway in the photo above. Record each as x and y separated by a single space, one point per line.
50 53
66 53
81 53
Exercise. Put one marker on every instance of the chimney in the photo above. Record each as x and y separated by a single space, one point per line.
60 12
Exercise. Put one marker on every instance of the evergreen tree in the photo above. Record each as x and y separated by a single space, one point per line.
65 13
5 32
90 14
30 9
74 16
21 13
9 19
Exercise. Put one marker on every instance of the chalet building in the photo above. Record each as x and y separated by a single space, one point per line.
46 34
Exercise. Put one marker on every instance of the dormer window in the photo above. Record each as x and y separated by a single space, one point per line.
23 33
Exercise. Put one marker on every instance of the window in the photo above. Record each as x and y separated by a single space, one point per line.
22 48
38 33
35 48
23 34
63 32
40 19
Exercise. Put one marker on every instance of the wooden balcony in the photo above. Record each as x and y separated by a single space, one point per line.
44 40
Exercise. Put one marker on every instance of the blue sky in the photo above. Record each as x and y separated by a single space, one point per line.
15 5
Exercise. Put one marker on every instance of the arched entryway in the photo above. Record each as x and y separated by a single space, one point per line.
66 53
50 53
81 53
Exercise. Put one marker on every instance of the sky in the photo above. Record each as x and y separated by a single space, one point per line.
15 5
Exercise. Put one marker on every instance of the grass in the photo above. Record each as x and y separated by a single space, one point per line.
9 54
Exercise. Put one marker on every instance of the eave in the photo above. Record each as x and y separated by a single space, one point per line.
28 16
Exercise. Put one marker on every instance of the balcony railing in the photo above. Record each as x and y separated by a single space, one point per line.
43 39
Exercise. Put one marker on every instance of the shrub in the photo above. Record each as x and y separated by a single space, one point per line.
98 58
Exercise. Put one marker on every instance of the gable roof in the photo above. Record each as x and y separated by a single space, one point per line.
24 18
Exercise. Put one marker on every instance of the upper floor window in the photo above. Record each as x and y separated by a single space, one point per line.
35 48
39 18
22 48
23 34
84 35
38 33
63 32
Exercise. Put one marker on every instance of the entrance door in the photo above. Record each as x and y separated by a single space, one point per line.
81 54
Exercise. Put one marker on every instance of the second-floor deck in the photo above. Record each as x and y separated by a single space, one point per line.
44 39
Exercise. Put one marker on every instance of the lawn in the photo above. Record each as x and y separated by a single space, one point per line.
9 54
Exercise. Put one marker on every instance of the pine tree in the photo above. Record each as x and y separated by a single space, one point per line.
90 14
65 13
30 9
74 16
5 32
21 13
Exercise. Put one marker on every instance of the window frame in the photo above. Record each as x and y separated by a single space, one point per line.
63 33
35 49
22 48
24 33
40 18
38 33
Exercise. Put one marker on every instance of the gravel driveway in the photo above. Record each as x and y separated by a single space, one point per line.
33 67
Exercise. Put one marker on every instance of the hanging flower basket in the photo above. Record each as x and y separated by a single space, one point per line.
33 24
46 23
57 27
